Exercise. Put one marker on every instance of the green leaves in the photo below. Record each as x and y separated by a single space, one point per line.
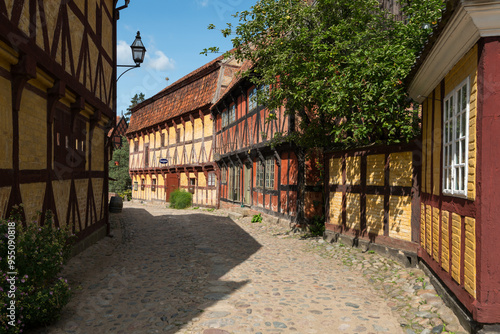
340 65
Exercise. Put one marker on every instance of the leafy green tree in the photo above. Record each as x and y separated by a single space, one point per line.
135 100
338 66
118 169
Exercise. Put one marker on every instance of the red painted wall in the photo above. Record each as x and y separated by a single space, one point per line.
488 179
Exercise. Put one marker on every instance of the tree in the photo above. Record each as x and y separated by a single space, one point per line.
339 65
135 100
118 169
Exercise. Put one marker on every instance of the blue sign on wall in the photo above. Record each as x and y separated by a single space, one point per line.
164 161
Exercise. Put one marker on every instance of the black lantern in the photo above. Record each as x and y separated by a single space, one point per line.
138 53
138 50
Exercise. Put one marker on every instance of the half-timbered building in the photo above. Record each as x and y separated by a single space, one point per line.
57 78
116 133
457 80
171 136
273 179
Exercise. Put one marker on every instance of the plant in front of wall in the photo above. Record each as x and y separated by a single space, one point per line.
257 218
317 226
40 252
180 199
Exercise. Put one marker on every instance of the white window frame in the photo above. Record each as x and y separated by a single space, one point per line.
269 173
225 118
232 114
456 140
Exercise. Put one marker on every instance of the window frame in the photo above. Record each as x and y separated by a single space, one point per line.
260 174
269 173
211 179
153 184
456 142
143 184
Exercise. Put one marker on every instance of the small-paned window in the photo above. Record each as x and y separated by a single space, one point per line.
456 140
232 114
270 173
192 181
153 185
225 119
260 174
162 139
143 184
136 186
252 99
211 179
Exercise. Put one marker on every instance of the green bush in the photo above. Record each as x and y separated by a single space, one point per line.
39 254
257 218
180 199
317 226
126 195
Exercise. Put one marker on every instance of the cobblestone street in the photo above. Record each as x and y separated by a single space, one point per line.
195 271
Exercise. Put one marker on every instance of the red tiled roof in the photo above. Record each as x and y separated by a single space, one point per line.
194 91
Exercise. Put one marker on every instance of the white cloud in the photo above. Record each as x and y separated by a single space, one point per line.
202 3
159 61
123 54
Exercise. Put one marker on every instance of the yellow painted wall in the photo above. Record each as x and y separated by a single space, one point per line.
353 170
445 241
375 175
470 256
400 167
353 211
61 196
423 215
98 149
375 214
336 208
4 200
456 239
5 125
32 132
400 217
335 175
428 229
435 234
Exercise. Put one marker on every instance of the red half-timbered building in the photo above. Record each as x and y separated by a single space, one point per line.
271 179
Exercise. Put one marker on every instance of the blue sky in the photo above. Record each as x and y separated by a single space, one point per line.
174 33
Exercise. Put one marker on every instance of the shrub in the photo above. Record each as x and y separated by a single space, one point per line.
257 218
180 199
317 226
40 252
126 195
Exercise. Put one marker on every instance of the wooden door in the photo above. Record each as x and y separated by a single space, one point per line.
247 185
172 183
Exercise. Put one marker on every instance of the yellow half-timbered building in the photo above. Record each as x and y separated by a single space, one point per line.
171 136
57 83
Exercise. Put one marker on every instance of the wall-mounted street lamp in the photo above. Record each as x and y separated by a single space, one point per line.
138 53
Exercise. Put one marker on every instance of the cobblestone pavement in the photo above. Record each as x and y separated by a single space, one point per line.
196 271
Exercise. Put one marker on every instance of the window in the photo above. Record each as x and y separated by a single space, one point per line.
260 174
177 135
211 179
136 146
192 182
153 185
146 155
162 136
270 173
136 186
69 144
224 176
232 113
456 140
143 184
224 118
252 99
